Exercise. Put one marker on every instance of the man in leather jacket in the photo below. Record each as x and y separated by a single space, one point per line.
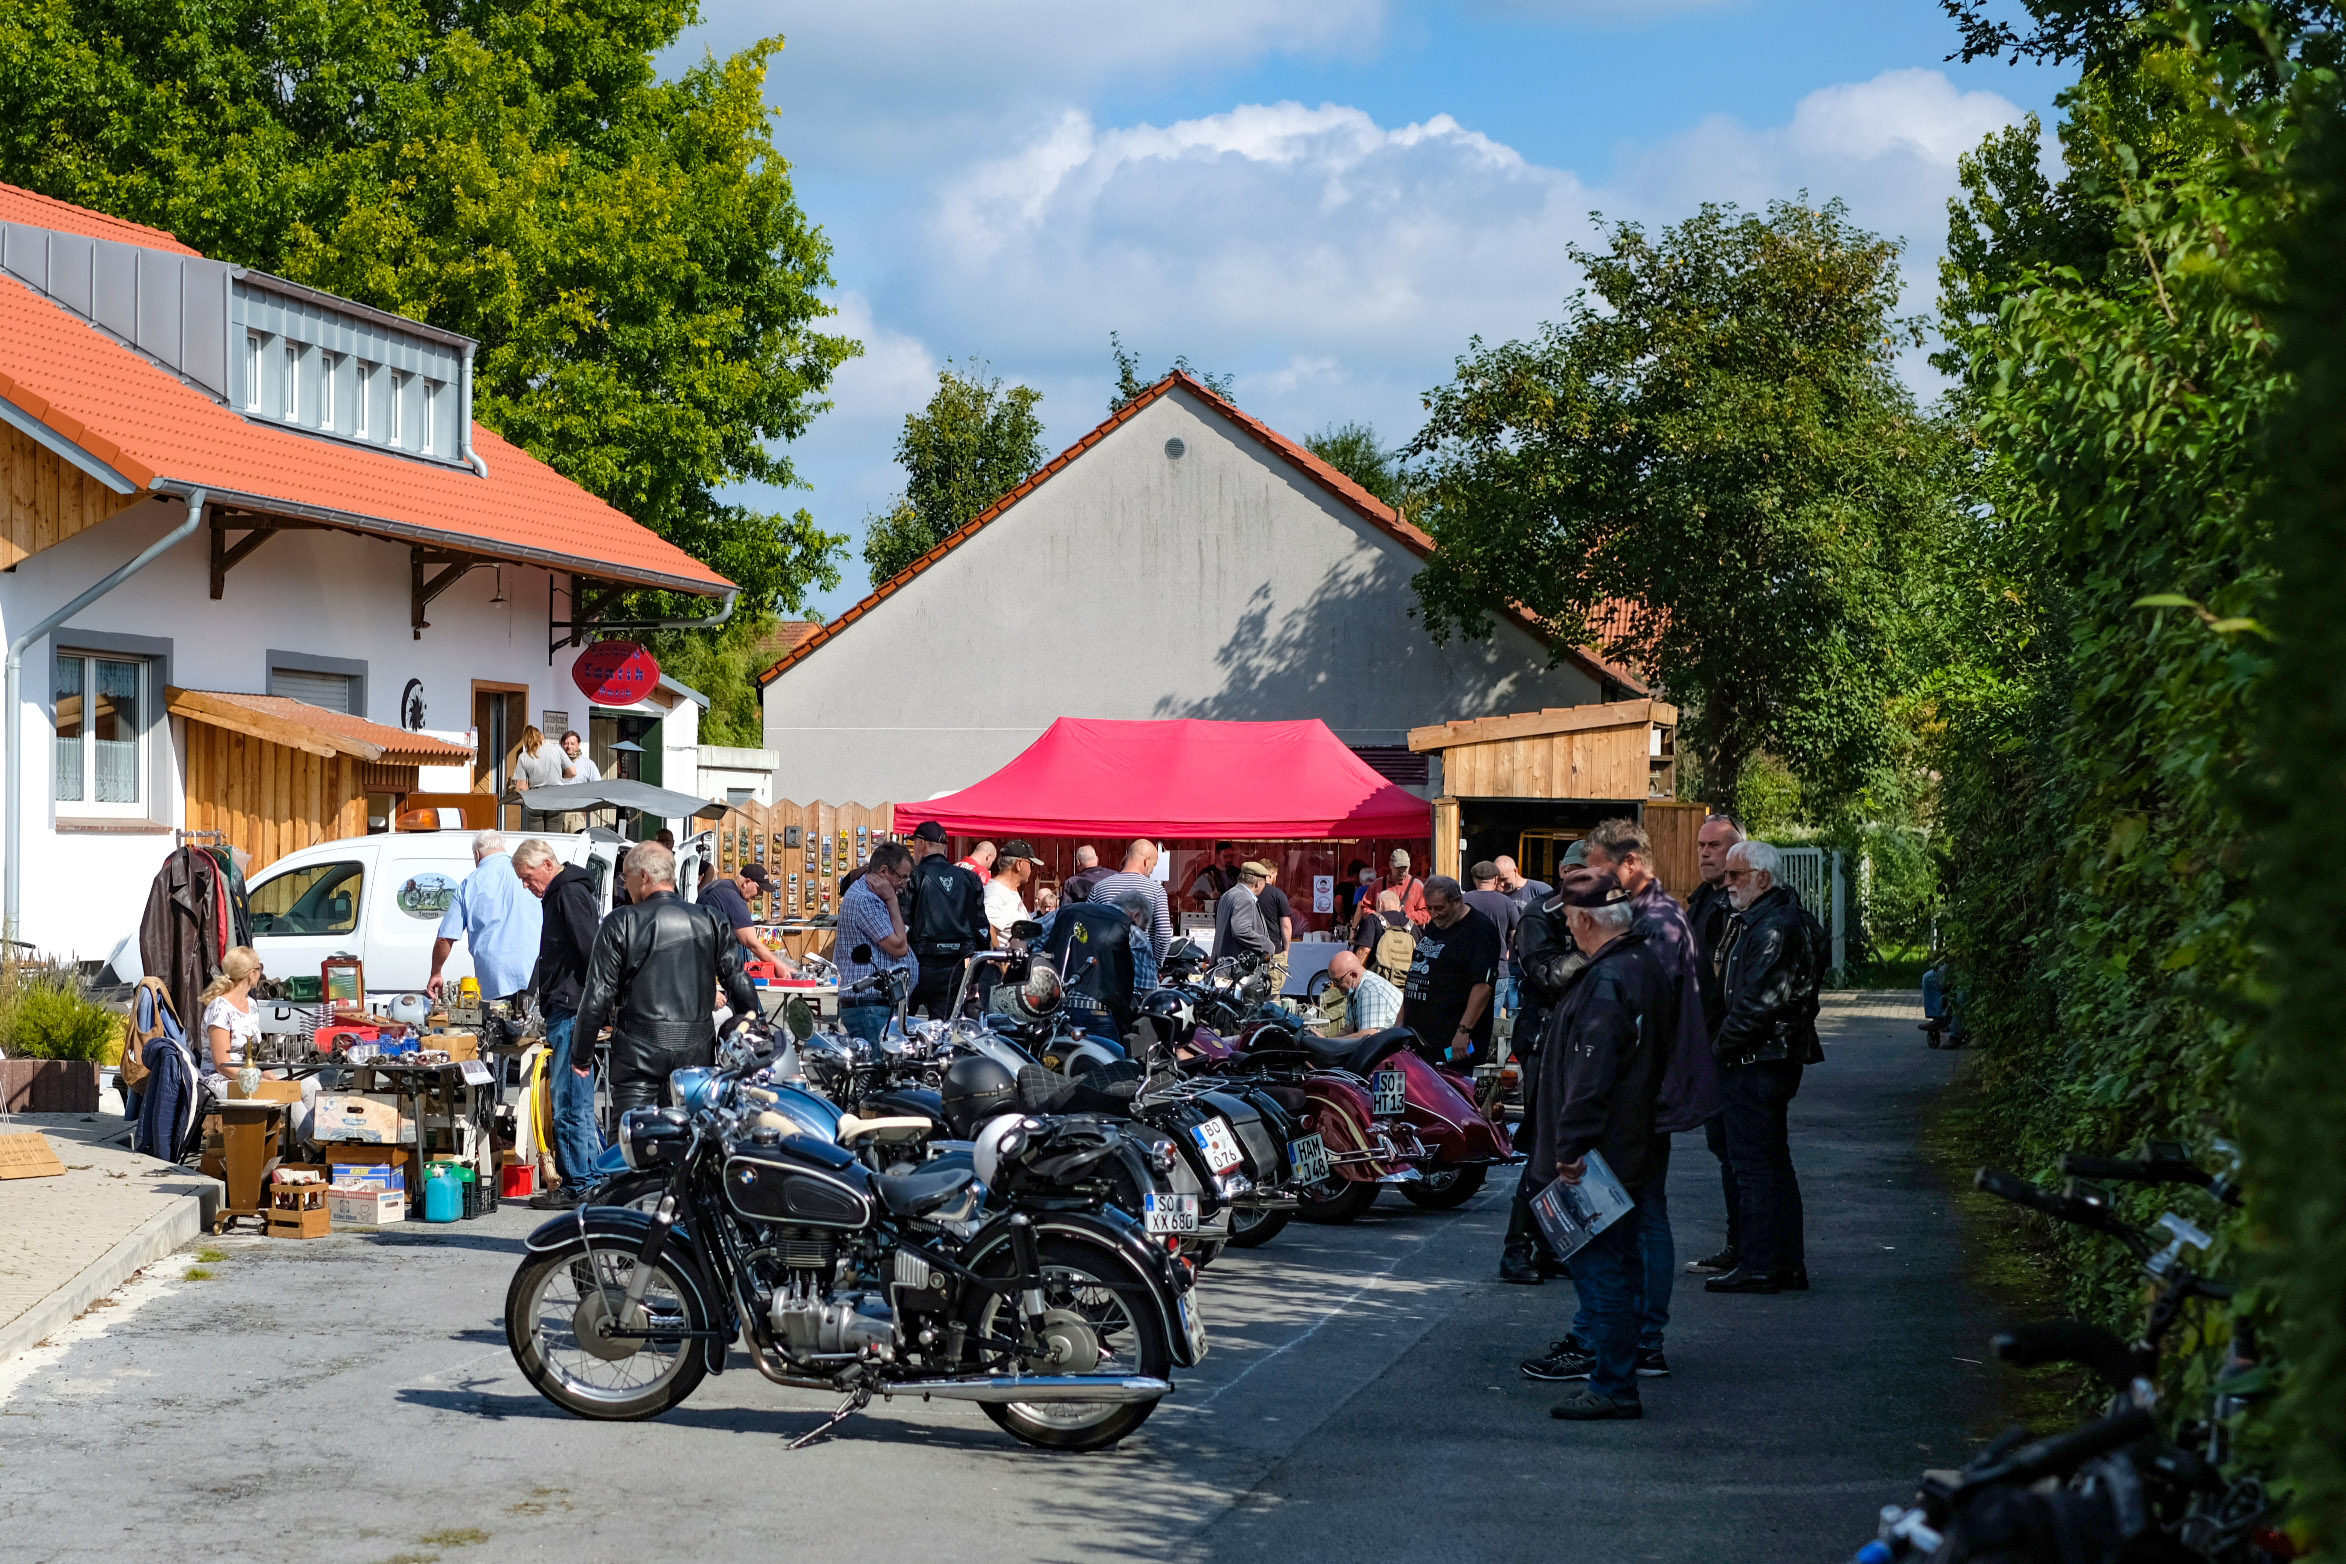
1770 962
1707 912
653 976
1546 962
944 916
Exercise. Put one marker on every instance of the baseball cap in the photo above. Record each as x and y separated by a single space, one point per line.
1019 848
1586 887
755 873
1400 855
929 831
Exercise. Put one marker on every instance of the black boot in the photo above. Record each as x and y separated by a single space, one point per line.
1516 1264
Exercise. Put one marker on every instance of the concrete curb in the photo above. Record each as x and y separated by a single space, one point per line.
173 1227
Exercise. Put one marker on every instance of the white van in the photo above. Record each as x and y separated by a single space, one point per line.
380 898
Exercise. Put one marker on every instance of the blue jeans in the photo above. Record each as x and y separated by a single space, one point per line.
1608 1275
1659 1252
1510 994
577 1140
865 1021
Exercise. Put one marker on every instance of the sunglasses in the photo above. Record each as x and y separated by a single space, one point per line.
1737 874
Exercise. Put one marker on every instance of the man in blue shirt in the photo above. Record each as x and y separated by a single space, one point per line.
498 920
870 920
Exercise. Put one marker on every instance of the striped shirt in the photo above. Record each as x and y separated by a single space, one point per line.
863 920
1110 890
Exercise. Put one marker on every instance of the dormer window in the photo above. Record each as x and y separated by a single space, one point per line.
292 383
332 367
366 390
431 414
327 364
398 420
252 370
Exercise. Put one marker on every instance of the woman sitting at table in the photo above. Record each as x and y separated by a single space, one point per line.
232 1028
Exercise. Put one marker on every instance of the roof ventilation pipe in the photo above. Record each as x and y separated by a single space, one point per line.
12 755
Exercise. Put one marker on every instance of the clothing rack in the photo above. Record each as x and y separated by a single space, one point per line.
186 838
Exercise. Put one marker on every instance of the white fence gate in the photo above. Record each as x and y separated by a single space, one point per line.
1815 877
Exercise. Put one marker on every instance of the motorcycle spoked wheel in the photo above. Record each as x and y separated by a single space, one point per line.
1445 1189
1102 1321
1336 1201
550 1311
1253 1229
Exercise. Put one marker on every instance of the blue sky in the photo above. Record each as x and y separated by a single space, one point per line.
1324 198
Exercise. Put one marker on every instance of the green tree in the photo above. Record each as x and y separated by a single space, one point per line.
972 444
628 250
1352 449
1130 382
1720 439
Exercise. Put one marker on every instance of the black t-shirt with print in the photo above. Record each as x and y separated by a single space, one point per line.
1450 962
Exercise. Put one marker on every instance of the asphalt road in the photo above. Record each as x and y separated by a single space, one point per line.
352 1399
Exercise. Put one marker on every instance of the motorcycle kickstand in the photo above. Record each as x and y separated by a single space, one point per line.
847 1409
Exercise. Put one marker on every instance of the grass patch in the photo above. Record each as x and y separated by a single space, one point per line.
210 1256
455 1537
198 1273
2002 1256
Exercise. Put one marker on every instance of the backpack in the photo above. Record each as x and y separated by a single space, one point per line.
153 1000
1394 951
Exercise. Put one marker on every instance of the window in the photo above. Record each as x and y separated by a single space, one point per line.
366 382
398 396
101 723
334 691
327 364
431 405
319 899
252 370
292 382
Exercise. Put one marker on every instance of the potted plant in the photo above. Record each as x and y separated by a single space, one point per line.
53 1038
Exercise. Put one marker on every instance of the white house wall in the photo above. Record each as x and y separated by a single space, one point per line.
1222 584
323 593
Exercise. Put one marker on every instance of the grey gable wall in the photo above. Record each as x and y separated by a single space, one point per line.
1224 584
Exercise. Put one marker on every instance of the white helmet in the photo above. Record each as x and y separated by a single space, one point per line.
985 1153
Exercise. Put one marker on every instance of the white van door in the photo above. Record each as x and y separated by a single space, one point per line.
306 913
691 854
412 892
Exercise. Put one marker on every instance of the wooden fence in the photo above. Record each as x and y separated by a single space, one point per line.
807 849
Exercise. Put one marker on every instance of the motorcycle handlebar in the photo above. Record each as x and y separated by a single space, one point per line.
2065 1452
2154 1169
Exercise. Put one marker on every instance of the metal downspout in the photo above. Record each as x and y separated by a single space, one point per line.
12 693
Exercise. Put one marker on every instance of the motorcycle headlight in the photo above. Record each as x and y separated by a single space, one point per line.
694 1089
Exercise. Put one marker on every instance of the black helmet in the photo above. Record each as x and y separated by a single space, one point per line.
974 1090
1172 1007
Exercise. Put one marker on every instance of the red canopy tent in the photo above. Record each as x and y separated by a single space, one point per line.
1257 781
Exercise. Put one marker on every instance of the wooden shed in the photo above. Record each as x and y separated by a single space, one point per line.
1531 783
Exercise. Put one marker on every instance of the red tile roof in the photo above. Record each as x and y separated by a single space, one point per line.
35 210
283 717
154 428
1364 504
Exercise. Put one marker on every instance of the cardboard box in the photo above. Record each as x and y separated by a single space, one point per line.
350 1117
366 1207
363 1175
456 1045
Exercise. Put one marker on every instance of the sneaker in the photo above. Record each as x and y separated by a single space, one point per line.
1564 1360
1588 1407
1651 1364
564 1199
1715 1265
1516 1265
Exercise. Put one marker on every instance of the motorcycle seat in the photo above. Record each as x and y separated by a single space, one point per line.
917 1194
1360 1055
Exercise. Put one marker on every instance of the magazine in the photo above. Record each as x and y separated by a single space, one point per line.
1572 1214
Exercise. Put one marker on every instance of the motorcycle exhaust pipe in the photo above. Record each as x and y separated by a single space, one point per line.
1115 1388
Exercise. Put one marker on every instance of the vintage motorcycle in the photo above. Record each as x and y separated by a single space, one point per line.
1059 1317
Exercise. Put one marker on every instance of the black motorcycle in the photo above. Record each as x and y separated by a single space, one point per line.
1062 1320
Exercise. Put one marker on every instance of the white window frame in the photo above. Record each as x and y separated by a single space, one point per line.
398 419
431 410
88 807
292 397
327 363
255 351
366 384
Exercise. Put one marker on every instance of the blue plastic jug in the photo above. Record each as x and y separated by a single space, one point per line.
443 1194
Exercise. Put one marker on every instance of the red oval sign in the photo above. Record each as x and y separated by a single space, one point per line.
615 673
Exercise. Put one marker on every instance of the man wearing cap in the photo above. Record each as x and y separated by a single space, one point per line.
947 920
1407 886
1238 916
1014 869
728 898
1604 1077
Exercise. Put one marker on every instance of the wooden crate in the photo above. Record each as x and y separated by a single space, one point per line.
298 1211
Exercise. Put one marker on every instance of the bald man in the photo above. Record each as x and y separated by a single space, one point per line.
1371 1004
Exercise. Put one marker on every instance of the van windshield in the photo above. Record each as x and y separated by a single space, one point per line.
319 899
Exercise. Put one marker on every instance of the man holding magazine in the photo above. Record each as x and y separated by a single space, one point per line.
1602 1074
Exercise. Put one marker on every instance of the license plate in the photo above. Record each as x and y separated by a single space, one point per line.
1193 1327
1169 1213
1388 1090
1310 1155
1220 1146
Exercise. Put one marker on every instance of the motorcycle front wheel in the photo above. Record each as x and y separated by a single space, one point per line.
1098 1320
552 1311
1445 1189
